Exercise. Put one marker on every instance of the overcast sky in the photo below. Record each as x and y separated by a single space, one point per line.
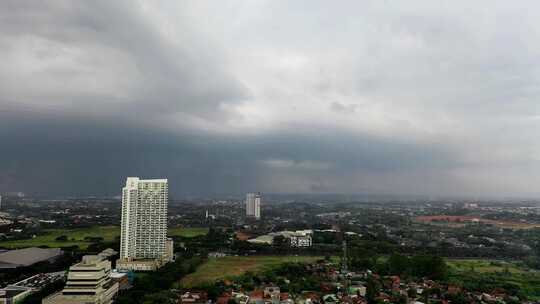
393 97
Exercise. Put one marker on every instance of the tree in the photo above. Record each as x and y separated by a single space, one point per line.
162 297
95 239
61 238
361 258
458 298
430 266
403 299
152 287
398 264
373 288
280 241
412 293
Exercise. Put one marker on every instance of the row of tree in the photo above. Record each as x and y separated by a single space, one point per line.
430 266
154 287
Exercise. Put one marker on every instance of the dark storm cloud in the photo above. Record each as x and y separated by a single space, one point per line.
276 96
69 157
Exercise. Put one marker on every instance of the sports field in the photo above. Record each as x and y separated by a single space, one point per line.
221 268
76 237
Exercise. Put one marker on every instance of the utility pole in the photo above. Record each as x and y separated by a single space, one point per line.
344 265
344 261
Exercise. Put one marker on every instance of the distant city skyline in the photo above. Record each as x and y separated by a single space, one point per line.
379 97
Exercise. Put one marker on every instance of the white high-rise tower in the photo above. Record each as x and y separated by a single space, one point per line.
253 205
144 220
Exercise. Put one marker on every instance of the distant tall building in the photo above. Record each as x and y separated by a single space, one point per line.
143 238
253 205
15 194
87 282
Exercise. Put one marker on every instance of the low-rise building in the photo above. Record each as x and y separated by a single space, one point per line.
28 256
11 295
15 293
88 282
301 238
122 279
132 264
272 294
138 265
193 298
240 297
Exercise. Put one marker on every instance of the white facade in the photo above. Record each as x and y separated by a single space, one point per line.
138 265
144 219
169 250
253 205
301 240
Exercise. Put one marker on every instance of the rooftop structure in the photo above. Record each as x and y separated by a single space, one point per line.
88 282
27 256
15 293
300 238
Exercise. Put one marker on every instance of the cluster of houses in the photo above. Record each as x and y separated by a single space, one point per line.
337 287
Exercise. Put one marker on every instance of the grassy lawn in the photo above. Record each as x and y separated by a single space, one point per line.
76 236
483 266
220 268
187 232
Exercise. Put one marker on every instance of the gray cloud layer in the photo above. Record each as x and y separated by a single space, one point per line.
276 96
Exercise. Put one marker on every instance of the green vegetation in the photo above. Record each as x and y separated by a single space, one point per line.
416 266
289 274
187 232
66 237
153 287
229 267
483 266
83 237
485 276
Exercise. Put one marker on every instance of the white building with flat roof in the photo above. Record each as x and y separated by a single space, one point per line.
299 238
143 234
253 205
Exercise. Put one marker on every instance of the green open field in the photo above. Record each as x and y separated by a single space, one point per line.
488 275
187 232
227 267
483 266
76 236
